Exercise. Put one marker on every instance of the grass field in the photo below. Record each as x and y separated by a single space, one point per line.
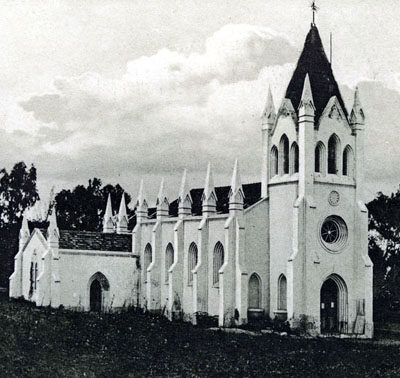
45 343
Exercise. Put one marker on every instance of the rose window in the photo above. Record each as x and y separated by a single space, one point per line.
333 233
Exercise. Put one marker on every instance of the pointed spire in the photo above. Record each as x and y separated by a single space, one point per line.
108 223
141 205
24 232
357 116
307 100
209 197
122 219
236 195
162 202
269 114
184 199
314 61
53 233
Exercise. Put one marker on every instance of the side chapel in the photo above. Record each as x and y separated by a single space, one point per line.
294 246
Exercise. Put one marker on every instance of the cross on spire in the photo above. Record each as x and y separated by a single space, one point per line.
314 10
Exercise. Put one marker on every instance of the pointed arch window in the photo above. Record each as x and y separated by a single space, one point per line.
254 291
294 158
319 158
35 277
33 274
169 259
333 149
284 154
192 261
274 161
148 257
348 161
282 293
218 261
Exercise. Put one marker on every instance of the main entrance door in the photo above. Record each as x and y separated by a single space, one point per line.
95 296
329 307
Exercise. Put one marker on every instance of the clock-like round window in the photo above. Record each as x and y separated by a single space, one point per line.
333 233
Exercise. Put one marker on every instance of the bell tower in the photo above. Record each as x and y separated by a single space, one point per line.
313 153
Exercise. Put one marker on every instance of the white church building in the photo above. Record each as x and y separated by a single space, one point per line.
294 246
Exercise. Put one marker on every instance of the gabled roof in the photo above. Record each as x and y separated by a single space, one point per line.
95 241
313 61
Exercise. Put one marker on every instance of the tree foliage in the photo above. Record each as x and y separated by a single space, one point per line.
384 249
18 192
83 207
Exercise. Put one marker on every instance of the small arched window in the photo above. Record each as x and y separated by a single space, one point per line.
192 261
33 273
333 148
294 158
36 276
282 292
169 259
148 256
274 161
218 260
254 291
348 161
319 158
284 154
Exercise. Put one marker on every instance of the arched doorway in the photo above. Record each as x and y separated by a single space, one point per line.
96 299
333 305
98 292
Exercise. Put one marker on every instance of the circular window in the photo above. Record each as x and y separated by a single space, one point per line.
333 233
333 198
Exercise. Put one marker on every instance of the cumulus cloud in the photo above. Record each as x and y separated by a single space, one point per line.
168 110
173 110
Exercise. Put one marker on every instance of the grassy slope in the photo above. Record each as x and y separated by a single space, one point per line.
44 343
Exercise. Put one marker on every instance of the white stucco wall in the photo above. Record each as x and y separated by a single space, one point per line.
77 267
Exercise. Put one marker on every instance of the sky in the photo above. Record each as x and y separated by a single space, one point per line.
130 90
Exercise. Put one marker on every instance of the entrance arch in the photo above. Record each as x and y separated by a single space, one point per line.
98 292
333 305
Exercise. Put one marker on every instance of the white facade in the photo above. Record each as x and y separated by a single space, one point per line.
298 252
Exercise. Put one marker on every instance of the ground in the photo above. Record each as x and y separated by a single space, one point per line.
48 343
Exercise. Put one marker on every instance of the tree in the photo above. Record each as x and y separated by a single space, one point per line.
384 249
83 207
18 192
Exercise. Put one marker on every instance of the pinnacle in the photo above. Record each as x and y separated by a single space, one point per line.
108 212
140 197
236 183
307 93
184 191
161 193
122 207
269 110
209 184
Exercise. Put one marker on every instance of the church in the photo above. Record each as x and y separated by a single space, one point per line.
293 246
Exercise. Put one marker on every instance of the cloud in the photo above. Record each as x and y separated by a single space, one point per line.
171 111
168 109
